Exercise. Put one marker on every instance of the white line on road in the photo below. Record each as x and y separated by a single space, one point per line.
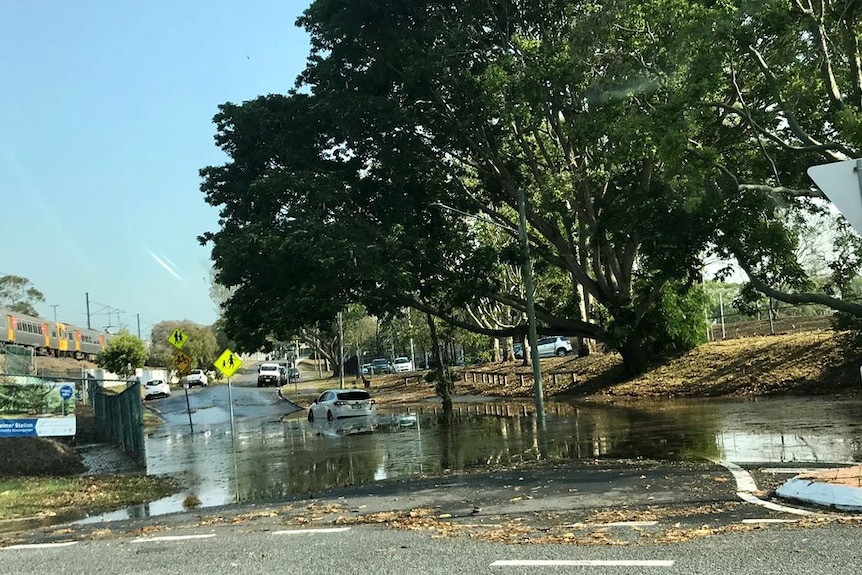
582 563
786 470
765 520
41 545
744 481
769 505
174 537
745 488
304 531
616 524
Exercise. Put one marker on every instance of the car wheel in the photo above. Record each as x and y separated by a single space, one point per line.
329 416
561 352
310 415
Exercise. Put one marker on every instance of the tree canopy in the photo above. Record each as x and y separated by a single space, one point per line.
19 294
123 355
646 136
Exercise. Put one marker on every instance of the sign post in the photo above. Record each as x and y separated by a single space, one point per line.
227 363
182 362
188 406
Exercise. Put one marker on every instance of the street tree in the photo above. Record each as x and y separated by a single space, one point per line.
202 344
778 86
623 124
19 294
123 355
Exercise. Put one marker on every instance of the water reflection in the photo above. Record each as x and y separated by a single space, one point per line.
278 458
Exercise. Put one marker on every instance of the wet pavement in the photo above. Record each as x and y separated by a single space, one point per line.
651 467
274 454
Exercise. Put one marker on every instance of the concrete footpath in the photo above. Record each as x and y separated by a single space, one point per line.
839 488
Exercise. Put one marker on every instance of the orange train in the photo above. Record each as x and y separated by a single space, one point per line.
51 338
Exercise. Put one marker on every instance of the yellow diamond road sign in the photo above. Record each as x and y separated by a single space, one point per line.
228 363
182 360
178 338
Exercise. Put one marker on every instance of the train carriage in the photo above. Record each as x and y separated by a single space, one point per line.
50 338
25 330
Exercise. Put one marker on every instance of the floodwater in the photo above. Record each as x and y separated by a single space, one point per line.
273 456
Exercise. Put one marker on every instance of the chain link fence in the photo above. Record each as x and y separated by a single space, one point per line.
770 320
102 419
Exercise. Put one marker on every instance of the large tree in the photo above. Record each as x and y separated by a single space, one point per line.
617 119
19 294
778 87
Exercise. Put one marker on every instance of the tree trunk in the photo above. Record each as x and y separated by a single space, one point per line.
444 384
636 355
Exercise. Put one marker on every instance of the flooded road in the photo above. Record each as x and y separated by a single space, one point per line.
273 455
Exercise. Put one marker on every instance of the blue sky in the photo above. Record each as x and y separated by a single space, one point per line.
105 119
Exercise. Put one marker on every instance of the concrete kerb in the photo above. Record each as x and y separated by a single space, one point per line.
838 488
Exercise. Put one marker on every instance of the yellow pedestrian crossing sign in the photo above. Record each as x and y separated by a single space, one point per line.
178 338
228 362
182 361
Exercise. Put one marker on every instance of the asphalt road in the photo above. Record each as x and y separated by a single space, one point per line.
210 405
832 549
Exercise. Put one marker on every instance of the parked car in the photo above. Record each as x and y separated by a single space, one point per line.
292 374
197 377
381 365
156 388
366 368
338 403
402 364
547 347
268 374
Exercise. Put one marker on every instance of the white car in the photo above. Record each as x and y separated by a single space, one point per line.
338 403
156 388
547 347
197 377
402 364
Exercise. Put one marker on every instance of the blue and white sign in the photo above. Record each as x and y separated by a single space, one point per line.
34 407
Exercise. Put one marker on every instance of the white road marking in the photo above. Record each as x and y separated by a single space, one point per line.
173 537
786 470
627 524
744 481
582 563
304 531
765 520
769 505
41 545
617 524
745 486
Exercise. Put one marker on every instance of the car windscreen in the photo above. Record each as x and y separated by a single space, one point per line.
353 395
401 360
269 368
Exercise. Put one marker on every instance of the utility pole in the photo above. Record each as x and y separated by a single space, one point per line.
340 351
531 308
139 324
55 306
87 296
412 349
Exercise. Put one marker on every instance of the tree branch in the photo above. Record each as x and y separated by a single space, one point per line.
798 298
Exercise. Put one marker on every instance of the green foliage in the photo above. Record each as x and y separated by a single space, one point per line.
123 355
633 129
202 344
18 294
